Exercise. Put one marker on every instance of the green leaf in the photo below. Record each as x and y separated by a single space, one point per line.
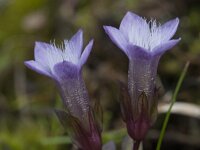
180 81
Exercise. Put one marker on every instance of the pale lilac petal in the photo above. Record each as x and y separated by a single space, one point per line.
77 42
41 51
131 22
137 52
160 49
168 29
47 54
65 70
117 37
86 53
74 46
38 68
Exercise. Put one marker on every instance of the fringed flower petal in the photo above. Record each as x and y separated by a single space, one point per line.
73 47
130 23
169 29
41 52
117 37
38 68
86 53
160 49
137 52
134 30
77 42
47 54
65 70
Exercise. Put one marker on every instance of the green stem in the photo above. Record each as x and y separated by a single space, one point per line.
173 101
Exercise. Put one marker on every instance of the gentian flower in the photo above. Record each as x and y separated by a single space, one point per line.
144 43
64 65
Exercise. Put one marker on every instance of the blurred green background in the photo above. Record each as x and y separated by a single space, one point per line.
27 99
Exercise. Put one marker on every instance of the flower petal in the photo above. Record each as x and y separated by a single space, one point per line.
38 68
160 49
40 51
64 71
131 21
137 52
168 29
117 37
77 42
86 53
47 55
74 46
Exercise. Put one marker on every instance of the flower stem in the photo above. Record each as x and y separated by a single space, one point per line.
136 145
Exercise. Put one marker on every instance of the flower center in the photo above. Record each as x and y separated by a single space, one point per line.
146 34
59 53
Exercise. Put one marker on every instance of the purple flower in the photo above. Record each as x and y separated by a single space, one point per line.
64 65
143 42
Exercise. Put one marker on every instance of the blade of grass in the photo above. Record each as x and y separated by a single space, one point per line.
162 133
